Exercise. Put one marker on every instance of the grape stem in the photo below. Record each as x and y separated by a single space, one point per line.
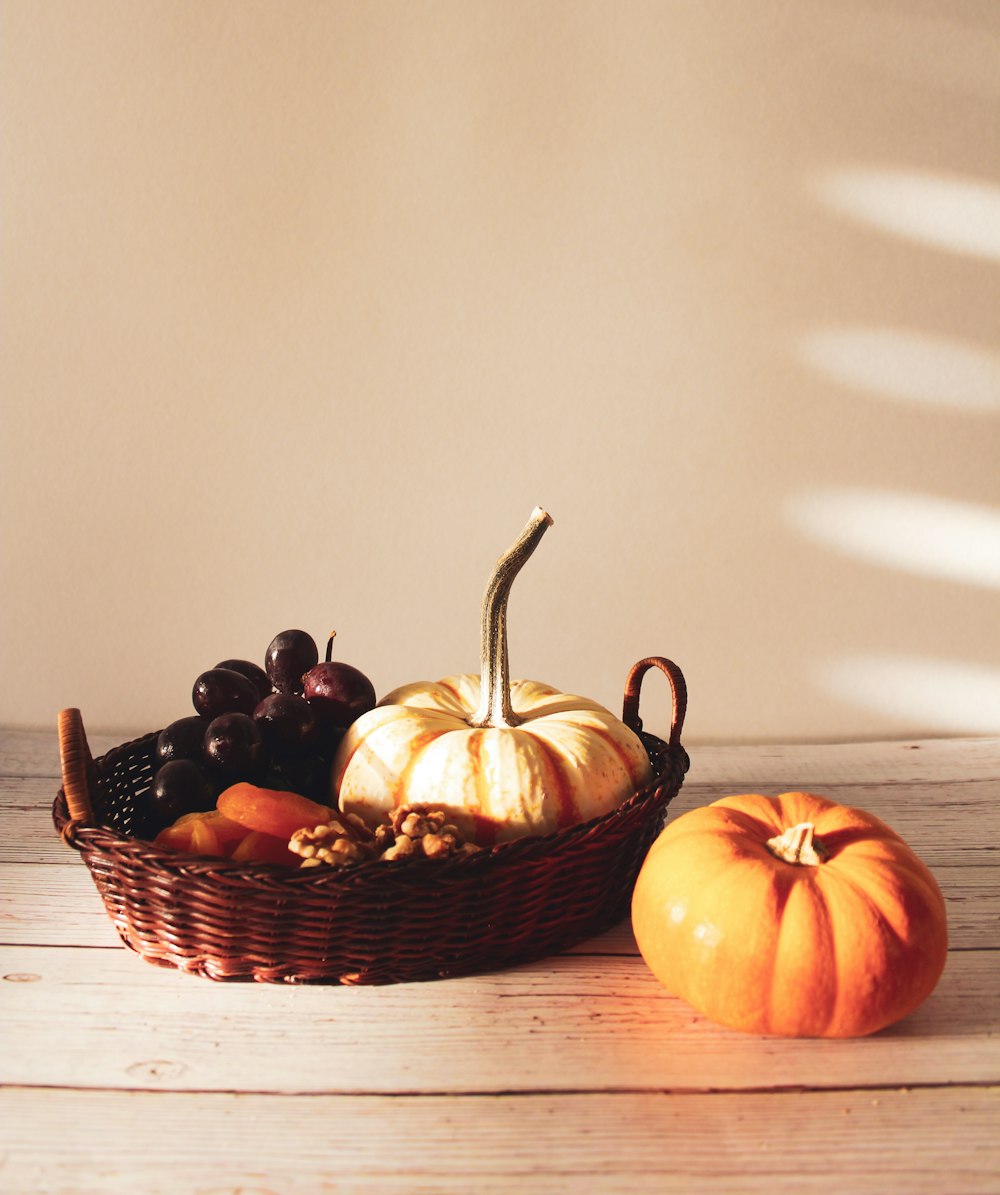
495 707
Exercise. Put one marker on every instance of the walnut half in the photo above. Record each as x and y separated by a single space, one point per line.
341 841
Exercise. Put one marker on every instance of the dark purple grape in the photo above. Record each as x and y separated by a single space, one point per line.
234 748
289 657
182 739
179 787
338 692
222 691
286 722
253 672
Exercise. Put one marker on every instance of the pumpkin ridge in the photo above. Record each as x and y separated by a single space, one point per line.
544 724
555 772
930 896
353 742
890 859
894 855
758 815
526 695
854 820
444 719
836 969
735 823
417 746
731 897
895 858
783 882
431 696
746 841
560 704
810 920
475 746
446 684
627 760
850 825
839 841
908 873
887 929
918 874
798 806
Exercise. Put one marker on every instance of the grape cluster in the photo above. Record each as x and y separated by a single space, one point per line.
276 726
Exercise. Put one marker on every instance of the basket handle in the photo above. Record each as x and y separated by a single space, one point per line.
678 689
75 758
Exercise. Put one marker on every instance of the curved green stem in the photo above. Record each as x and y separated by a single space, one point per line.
494 704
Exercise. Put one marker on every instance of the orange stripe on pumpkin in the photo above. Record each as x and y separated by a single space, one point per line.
558 784
415 748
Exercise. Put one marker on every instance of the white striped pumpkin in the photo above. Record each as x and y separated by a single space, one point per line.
503 760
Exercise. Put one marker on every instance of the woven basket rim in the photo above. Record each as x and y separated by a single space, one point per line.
93 840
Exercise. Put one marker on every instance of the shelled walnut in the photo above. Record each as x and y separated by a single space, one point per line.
411 832
425 832
338 842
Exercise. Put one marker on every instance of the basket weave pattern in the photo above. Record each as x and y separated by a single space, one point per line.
374 922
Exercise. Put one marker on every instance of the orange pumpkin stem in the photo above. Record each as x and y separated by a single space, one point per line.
798 844
495 708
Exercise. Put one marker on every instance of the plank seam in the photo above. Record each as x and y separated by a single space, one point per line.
520 1093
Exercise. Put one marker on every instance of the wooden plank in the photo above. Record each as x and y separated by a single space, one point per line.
56 905
920 1141
26 814
107 1019
36 752
745 767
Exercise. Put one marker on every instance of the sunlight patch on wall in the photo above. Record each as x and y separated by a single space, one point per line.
915 533
941 695
959 214
911 366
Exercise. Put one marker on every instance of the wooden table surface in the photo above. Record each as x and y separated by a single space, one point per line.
578 1073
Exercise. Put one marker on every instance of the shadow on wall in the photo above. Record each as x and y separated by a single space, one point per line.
912 533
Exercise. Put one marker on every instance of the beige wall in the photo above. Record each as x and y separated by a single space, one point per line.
306 305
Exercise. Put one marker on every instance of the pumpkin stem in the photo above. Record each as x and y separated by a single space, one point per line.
494 704
798 845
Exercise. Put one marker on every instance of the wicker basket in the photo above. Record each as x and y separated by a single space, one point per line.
371 923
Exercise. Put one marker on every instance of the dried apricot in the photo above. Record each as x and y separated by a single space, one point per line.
229 833
177 836
189 833
271 811
207 833
204 840
264 848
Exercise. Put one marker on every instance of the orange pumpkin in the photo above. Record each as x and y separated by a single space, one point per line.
790 915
